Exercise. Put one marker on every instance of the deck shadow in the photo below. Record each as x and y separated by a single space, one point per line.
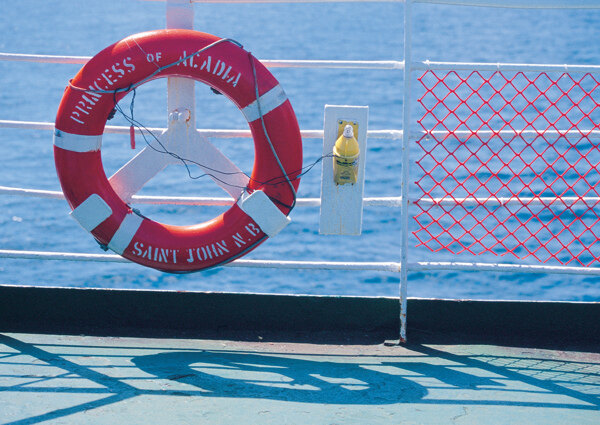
422 375
277 377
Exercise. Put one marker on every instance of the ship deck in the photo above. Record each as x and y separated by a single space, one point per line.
89 379
76 356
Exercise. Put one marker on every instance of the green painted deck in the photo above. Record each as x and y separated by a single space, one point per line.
164 357
120 380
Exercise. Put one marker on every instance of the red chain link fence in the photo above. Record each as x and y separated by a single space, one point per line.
509 164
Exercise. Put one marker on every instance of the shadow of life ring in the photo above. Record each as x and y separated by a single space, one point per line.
262 209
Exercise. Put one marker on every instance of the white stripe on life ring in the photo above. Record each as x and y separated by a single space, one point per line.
264 212
268 101
91 212
76 142
125 233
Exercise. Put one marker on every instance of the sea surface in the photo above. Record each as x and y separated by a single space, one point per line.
373 31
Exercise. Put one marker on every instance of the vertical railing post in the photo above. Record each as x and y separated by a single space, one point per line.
180 91
406 105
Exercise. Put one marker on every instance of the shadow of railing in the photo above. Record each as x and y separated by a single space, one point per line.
421 375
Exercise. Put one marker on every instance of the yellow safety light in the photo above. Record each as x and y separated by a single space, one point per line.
345 157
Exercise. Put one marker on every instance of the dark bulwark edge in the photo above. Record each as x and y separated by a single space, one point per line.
294 318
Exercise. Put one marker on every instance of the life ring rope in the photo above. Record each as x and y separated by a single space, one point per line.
278 98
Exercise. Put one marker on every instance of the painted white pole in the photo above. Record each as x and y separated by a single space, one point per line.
180 91
405 165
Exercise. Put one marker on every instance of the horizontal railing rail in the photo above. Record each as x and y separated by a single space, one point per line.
387 201
348 64
217 133
501 267
519 4
422 266
269 63
291 1
428 65
306 265
389 134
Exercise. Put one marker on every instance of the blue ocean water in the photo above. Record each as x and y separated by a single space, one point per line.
349 31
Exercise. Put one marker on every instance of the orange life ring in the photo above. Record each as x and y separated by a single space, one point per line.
226 67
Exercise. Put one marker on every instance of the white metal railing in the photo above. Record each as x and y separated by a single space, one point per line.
381 201
409 68
269 63
338 64
519 4
193 201
404 266
292 1
323 265
304 265
502 66
216 133
385 201
389 134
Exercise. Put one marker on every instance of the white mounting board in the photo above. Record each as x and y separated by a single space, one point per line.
342 205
